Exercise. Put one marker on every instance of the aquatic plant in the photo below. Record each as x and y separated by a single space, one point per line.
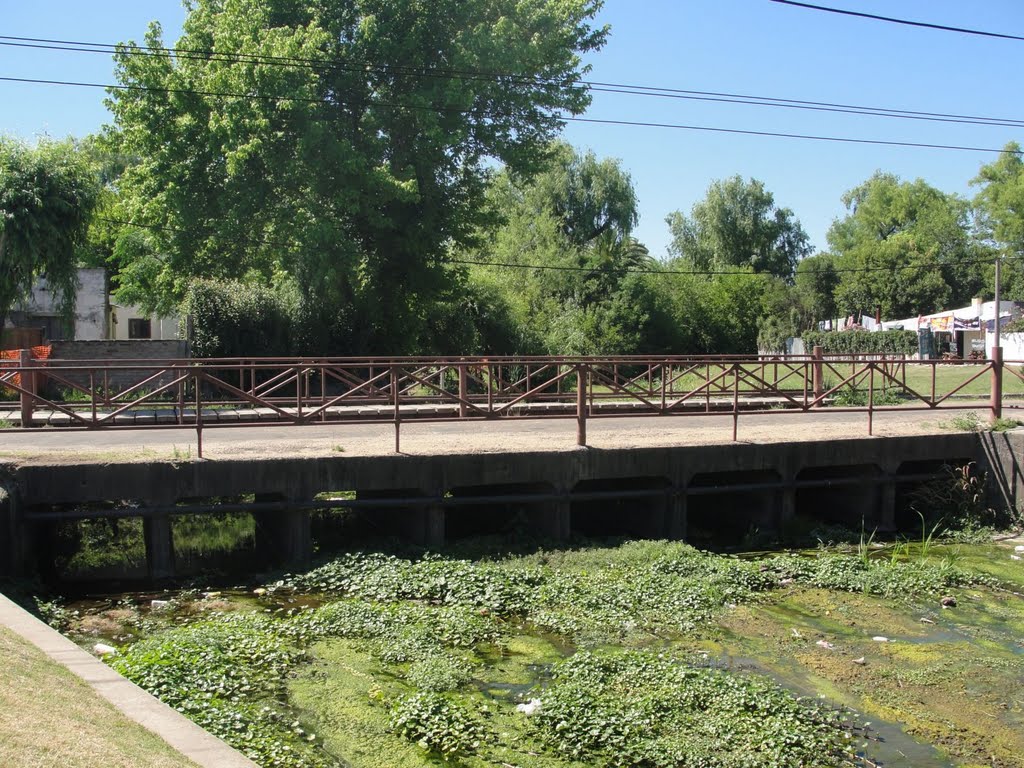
642 708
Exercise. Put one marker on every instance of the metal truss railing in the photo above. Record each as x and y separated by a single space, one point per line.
202 394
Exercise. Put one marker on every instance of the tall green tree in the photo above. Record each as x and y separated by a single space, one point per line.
47 194
575 281
906 247
816 283
738 224
1000 207
343 144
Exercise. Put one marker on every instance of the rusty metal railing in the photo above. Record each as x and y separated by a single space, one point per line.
203 394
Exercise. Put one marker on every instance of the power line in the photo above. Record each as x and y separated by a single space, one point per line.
479 75
559 117
570 267
892 20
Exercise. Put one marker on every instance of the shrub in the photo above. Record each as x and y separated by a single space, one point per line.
236 319
862 342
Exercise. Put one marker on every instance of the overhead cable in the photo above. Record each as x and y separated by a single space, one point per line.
892 20
210 55
571 267
558 117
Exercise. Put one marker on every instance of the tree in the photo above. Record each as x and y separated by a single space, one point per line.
1000 208
816 283
1001 199
354 151
906 248
738 224
573 221
47 194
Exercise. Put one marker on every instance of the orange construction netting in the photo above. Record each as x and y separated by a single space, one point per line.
38 353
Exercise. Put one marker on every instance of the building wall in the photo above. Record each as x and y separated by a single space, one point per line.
1012 343
160 352
40 310
161 328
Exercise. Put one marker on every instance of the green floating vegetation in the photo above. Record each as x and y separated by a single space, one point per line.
640 708
446 640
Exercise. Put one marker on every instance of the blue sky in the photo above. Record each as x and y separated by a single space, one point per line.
753 47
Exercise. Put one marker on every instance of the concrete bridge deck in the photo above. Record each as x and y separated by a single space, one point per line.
454 437
677 477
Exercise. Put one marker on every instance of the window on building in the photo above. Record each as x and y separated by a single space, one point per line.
139 329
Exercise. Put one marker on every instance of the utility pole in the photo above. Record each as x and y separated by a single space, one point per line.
996 398
999 262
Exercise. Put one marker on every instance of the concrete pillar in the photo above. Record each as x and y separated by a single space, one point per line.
296 547
787 505
887 504
159 547
658 515
553 520
283 536
676 523
15 537
430 527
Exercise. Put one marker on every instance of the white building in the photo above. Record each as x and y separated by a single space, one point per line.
97 316
963 332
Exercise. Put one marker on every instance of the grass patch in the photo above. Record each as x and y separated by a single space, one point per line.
970 421
50 717
205 535
964 422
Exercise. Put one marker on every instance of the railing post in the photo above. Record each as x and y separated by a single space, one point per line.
28 384
735 401
464 389
996 402
397 411
816 373
581 404
871 398
199 413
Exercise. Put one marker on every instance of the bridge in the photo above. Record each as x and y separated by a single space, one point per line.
204 394
486 447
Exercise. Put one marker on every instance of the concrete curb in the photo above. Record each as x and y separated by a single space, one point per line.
152 714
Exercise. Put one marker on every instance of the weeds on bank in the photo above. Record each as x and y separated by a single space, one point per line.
972 422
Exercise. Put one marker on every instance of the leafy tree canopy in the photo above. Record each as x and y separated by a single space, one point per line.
353 149
738 224
1000 208
47 194
573 220
906 247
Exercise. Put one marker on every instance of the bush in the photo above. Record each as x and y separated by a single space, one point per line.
862 342
236 319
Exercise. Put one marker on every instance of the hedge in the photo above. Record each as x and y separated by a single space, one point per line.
861 342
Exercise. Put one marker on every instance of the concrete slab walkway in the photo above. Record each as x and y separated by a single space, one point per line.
178 731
